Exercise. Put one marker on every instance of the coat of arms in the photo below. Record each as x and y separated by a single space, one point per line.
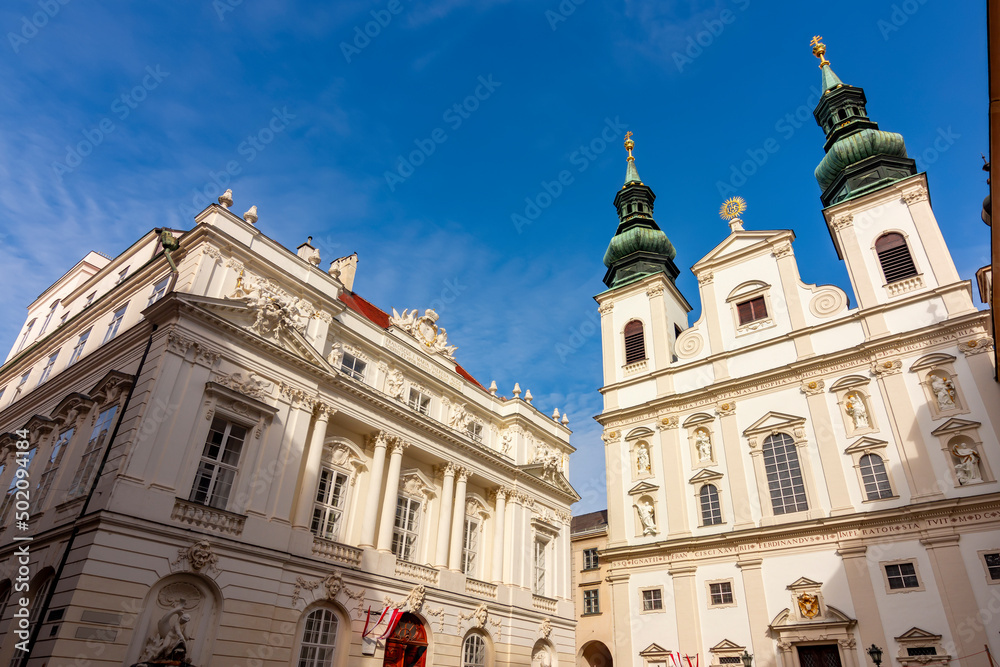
809 605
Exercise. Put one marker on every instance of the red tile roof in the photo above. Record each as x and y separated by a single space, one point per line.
380 318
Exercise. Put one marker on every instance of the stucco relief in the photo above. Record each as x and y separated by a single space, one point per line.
827 302
433 339
252 386
688 344
197 557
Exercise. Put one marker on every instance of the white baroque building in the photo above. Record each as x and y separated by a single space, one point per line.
246 458
802 472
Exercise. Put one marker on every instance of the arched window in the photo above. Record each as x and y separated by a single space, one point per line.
894 256
474 651
635 343
784 476
319 638
875 479
711 510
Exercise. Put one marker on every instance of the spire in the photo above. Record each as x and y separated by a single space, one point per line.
830 80
859 157
639 247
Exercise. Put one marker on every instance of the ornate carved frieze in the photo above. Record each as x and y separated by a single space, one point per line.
274 309
550 460
433 339
976 345
297 397
180 344
252 386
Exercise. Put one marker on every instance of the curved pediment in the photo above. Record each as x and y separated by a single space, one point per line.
831 616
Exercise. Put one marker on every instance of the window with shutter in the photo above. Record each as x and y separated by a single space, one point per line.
894 256
752 310
635 344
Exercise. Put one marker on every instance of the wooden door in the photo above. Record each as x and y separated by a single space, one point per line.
407 645
823 655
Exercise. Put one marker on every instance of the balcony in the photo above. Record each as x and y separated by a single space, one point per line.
337 552
481 589
203 516
414 572
543 603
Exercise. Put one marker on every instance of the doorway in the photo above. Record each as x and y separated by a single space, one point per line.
822 655
407 645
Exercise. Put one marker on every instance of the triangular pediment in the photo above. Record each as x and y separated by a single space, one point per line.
726 645
955 425
238 314
735 243
774 420
551 477
654 650
916 634
642 487
865 444
803 582
705 475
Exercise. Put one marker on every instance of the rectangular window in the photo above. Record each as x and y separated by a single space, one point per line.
992 561
652 600
51 468
159 289
353 367
590 559
20 386
475 431
901 576
48 318
720 594
920 650
81 342
92 454
116 322
539 568
90 299
470 548
419 401
220 461
122 275
328 510
404 532
47 369
24 338
8 501
591 602
752 310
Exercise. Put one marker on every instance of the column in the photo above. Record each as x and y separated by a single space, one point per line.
731 440
686 608
673 473
753 590
829 452
977 355
314 462
916 458
519 547
389 496
499 529
374 492
859 581
957 595
658 329
608 339
623 609
458 521
444 519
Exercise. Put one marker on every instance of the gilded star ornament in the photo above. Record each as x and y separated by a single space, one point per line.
732 208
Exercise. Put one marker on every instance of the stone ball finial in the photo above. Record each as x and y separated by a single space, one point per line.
226 198
517 390
555 414
565 419
251 215
528 397
493 388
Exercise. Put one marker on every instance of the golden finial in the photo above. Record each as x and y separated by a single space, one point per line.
819 50
629 144
731 210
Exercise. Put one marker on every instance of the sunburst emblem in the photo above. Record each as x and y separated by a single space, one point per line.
732 208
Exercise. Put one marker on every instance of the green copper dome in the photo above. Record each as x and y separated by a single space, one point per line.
638 239
855 148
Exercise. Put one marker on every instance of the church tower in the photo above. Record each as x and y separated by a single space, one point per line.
878 211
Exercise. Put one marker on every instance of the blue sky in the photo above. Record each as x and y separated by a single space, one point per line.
316 119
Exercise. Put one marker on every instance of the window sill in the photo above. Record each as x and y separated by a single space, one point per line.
593 613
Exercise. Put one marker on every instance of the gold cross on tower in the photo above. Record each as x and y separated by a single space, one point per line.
629 144
819 50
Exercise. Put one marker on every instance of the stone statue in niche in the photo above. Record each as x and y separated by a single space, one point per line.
642 459
541 658
170 639
856 410
645 509
967 469
703 442
944 391
394 384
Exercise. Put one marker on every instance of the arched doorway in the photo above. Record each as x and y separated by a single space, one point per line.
407 645
595 654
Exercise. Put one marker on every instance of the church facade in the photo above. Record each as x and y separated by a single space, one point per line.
243 462
801 473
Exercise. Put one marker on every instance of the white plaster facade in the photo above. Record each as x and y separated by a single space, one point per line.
838 378
322 443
